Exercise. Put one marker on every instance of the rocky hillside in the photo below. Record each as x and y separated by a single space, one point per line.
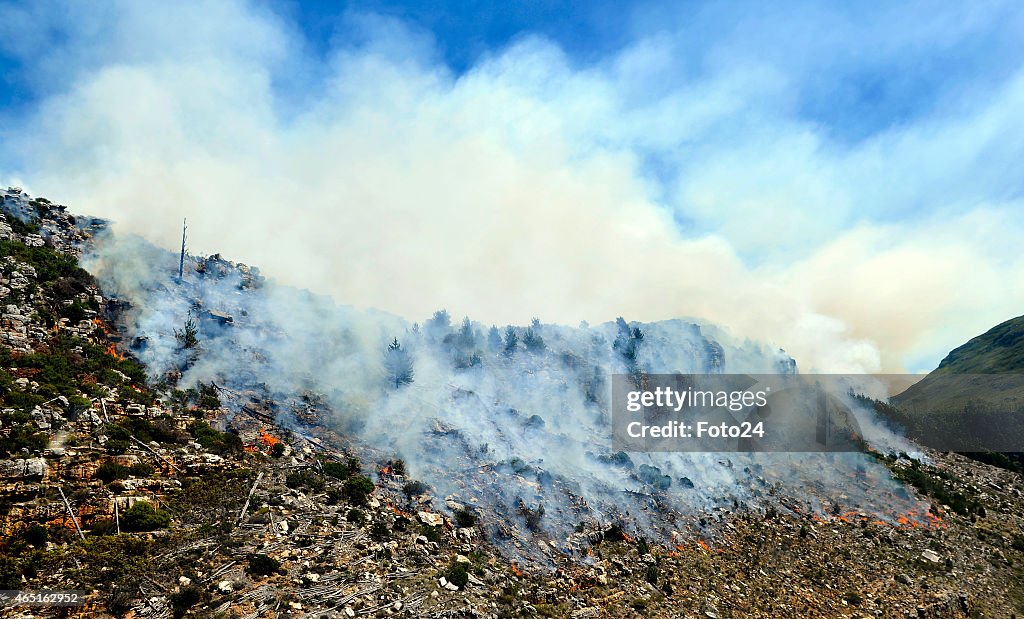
159 499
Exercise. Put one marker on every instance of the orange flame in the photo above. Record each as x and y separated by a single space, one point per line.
268 439
112 351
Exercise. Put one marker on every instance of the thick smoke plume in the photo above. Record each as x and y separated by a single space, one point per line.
680 175
508 420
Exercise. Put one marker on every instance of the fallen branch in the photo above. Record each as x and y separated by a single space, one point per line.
74 519
245 507
150 450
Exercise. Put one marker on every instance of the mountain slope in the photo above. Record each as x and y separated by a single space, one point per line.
974 400
998 350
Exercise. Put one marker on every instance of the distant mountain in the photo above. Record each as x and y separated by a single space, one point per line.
974 400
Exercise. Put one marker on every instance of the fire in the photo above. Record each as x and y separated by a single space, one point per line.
386 470
704 545
112 351
516 570
250 449
268 439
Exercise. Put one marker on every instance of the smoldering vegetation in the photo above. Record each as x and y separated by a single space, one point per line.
508 421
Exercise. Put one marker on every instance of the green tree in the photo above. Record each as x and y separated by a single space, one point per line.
511 341
188 336
144 517
398 364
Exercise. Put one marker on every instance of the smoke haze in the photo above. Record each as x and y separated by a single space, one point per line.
677 176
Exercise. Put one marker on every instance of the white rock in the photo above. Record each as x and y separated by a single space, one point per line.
430 518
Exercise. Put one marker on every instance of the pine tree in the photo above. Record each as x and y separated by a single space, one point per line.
511 341
398 364
188 336
494 338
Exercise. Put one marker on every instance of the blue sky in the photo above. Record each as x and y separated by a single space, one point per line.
839 179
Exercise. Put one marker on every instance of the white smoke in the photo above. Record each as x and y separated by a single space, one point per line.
486 426
524 186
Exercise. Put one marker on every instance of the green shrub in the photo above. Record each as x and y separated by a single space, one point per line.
414 488
357 489
433 534
651 574
110 470
144 517
334 496
465 518
379 530
304 479
262 565
185 599
116 446
75 312
212 440
356 516
23 436
37 535
10 575
338 470
457 574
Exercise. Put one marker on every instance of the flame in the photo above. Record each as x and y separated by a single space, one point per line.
704 545
268 439
112 351
516 570
250 449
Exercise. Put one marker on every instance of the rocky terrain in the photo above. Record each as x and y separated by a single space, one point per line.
156 502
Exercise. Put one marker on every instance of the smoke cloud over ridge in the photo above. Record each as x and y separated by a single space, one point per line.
513 422
693 171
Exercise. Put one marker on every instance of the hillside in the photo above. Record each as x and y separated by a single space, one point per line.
998 350
245 496
974 400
